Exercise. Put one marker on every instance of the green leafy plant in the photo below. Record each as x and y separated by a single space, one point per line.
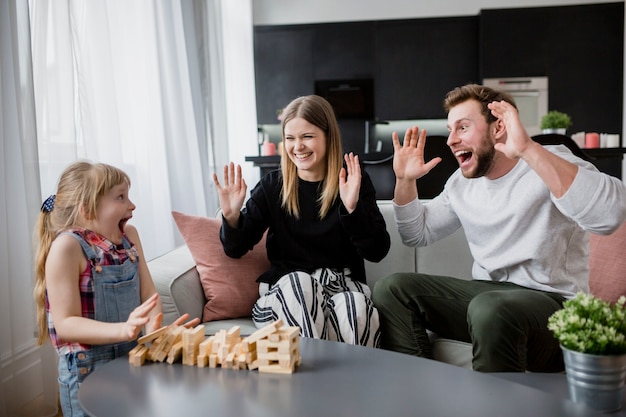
589 324
556 120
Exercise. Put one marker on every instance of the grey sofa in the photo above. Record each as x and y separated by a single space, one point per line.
179 287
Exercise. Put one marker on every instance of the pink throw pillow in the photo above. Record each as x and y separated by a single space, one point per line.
229 284
607 265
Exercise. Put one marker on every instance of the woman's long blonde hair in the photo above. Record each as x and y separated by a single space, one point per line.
317 111
80 188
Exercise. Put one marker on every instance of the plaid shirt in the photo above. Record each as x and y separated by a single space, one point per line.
107 253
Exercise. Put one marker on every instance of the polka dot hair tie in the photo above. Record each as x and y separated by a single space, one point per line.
48 205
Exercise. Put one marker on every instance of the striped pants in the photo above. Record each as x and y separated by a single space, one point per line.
326 304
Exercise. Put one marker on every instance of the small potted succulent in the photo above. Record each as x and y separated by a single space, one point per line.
555 122
592 334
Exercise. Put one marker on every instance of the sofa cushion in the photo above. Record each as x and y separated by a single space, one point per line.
607 264
177 281
229 284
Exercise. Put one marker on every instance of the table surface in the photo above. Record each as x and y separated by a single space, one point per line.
334 379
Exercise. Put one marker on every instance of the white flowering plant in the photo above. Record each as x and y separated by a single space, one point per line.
589 324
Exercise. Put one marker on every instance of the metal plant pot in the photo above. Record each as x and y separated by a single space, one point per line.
596 381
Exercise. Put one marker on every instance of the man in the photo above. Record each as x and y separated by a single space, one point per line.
527 212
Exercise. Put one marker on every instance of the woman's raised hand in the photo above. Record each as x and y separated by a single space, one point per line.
232 193
350 182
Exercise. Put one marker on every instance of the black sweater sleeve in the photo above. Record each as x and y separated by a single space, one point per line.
340 240
366 225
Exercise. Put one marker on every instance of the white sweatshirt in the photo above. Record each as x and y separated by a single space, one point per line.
516 229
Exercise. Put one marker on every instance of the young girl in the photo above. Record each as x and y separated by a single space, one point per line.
92 279
321 220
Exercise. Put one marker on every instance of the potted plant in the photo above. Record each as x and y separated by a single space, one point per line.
592 334
555 122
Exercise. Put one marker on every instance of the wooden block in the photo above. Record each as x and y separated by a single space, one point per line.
155 347
220 337
275 356
265 331
151 336
230 361
232 336
274 337
248 346
138 357
175 352
135 350
206 346
202 361
161 355
212 360
198 332
290 332
191 341
284 346
242 360
275 369
222 353
174 335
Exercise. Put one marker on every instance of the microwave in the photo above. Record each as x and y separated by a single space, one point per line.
530 95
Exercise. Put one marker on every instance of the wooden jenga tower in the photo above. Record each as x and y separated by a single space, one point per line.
280 351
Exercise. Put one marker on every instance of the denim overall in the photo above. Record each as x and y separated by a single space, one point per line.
116 295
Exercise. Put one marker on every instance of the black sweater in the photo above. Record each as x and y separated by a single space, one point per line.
338 241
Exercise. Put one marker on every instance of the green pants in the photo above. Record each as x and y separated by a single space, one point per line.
506 323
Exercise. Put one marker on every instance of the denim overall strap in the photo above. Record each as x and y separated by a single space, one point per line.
116 287
116 295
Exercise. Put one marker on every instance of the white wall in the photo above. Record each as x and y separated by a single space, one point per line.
287 12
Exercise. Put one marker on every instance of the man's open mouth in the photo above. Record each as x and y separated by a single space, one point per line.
463 156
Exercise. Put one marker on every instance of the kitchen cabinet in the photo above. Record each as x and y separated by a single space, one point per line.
413 62
579 48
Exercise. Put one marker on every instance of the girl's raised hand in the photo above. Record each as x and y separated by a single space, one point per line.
350 182
138 318
182 321
157 323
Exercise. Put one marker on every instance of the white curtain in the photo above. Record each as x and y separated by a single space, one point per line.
27 372
126 83
145 86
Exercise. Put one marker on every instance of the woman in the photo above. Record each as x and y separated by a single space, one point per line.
321 220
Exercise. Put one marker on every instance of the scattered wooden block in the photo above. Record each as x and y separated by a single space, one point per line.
151 336
274 348
191 342
175 353
137 355
265 331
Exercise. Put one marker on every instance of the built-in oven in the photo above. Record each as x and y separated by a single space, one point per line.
530 95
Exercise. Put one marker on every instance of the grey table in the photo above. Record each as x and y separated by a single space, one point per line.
555 384
334 379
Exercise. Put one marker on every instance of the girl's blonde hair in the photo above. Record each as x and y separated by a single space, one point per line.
317 111
80 188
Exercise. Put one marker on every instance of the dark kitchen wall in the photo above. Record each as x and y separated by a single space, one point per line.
579 48
415 62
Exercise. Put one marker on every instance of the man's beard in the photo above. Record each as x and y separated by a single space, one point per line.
485 158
